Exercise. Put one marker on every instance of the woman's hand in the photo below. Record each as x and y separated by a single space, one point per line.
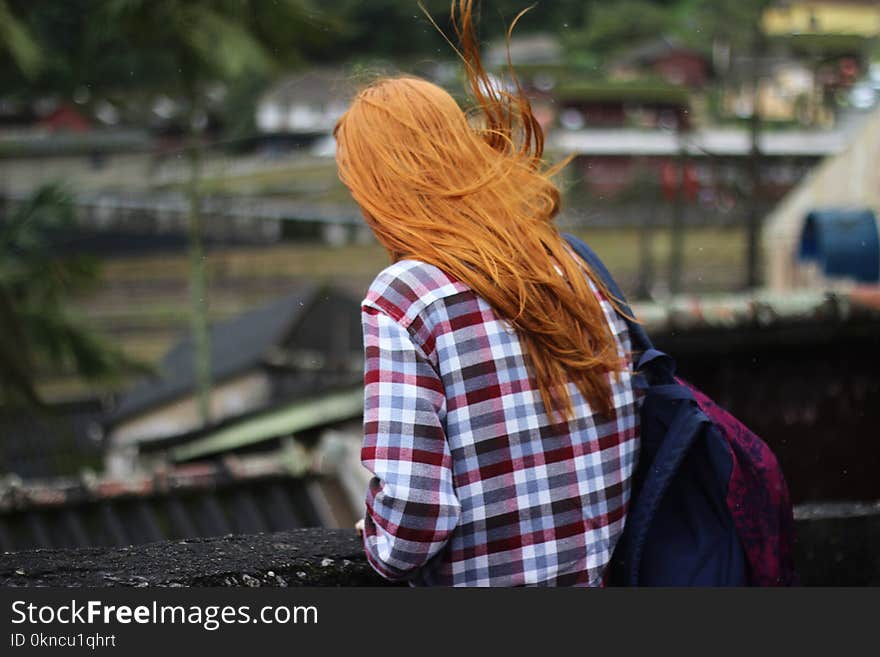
359 527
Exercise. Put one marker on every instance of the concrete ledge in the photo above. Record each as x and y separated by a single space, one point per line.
304 557
834 547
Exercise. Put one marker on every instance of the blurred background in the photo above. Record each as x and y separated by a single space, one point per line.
181 270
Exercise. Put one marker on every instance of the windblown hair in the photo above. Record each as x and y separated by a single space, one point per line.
473 196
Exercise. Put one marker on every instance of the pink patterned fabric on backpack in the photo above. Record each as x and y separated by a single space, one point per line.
758 499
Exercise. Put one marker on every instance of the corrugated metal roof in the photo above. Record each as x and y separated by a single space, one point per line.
199 500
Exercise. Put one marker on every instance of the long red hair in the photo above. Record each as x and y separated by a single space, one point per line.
471 194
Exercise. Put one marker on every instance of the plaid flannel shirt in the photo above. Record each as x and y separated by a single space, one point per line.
473 483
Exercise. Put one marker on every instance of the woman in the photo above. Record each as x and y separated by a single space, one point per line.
500 420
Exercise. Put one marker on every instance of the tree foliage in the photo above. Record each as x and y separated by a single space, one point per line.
113 45
36 331
613 27
18 43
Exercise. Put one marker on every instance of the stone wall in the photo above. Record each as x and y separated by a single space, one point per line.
312 557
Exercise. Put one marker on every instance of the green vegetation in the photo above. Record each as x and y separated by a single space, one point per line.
36 332
611 27
18 43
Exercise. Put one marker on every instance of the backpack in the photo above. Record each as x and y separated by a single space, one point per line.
709 504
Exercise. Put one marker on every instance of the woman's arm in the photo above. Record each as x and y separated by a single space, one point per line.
411 503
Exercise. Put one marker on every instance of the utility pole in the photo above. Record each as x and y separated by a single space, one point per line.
197 276
754 207
676 246
646 190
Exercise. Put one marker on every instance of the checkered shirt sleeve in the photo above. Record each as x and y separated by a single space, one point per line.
411 503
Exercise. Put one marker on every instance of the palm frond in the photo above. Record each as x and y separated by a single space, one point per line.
35 282
17 41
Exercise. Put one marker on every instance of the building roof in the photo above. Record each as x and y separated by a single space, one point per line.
237 345
537 48
719 142
652 50
241 496
335 406
646 90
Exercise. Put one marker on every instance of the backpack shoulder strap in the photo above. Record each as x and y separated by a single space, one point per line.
640 340
598 267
